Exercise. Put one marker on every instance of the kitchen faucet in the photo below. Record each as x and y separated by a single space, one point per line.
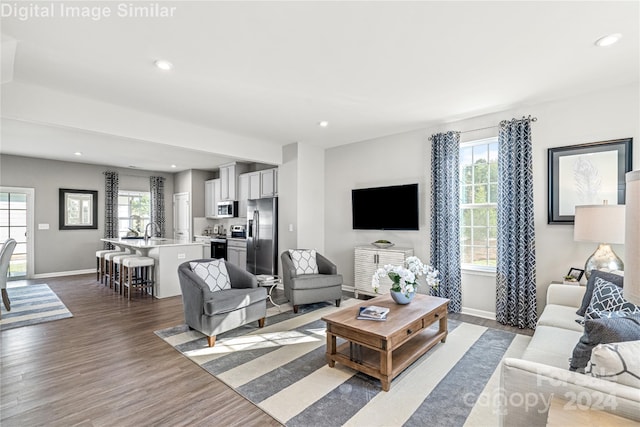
146 229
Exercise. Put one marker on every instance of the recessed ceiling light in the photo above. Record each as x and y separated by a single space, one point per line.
323 124
163 64
174 166
608 40
77 153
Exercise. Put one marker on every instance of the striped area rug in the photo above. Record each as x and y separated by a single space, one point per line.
282 369
30 305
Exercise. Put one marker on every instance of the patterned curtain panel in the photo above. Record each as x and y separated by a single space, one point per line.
445 216
157 202
516 263
110 207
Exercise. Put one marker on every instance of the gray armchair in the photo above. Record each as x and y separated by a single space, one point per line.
310 288
215 312
6 251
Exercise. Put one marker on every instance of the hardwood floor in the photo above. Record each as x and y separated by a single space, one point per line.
106 367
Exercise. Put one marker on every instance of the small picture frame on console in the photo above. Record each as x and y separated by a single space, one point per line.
574 275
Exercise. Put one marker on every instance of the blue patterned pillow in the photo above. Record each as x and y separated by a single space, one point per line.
606 300
595 275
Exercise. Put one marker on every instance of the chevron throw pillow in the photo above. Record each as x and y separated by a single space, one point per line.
214 273
304 261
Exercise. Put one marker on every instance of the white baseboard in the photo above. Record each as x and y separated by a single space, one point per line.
64 273
479 313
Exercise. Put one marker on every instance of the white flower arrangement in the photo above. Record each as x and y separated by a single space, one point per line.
405 279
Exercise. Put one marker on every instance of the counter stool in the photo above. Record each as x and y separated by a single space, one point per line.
138 272
100 265
117 272
110 268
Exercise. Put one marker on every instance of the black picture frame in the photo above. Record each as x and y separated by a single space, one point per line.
77 209
576 273
574 170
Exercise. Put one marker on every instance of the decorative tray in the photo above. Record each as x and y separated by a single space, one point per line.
382 245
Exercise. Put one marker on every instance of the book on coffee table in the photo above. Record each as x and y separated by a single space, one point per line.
373 312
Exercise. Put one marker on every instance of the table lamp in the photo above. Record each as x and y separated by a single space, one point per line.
631 289
603 224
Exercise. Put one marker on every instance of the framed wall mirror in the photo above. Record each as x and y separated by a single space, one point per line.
78 209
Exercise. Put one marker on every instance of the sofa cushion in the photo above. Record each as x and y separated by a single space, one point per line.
214 273
304 261
607 298
551 345
617 362
560 316
604 331
595 274
233 299
315 281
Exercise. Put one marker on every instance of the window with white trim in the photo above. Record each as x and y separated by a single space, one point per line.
134 208
478 204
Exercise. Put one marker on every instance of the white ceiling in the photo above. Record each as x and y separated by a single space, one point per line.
270 71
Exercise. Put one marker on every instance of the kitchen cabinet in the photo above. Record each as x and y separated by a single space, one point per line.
254 185
211 197
237 252
259 184
269 183
206 245
368 259
243 194
229 174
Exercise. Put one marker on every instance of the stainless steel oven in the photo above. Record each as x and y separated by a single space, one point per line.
219 248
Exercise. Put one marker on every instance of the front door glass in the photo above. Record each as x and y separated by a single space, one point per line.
13 224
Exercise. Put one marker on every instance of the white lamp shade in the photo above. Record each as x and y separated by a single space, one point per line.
599 223
631 289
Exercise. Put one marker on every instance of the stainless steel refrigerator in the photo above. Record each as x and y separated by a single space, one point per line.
262 236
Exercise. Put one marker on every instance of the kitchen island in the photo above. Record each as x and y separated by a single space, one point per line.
168 255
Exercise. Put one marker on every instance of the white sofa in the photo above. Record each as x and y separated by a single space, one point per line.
529 383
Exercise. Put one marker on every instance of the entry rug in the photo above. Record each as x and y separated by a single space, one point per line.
282 369
30 305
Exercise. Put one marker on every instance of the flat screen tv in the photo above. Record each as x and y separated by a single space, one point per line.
385 208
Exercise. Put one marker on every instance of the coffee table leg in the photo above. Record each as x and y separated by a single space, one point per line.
331 349
443 327
386 368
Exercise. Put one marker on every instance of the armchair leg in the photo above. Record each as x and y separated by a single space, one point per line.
261 323
211 341
295 308
5 300
338 301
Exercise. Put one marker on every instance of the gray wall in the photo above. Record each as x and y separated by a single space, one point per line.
405 158
57 251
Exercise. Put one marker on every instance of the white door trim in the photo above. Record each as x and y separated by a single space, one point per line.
31 193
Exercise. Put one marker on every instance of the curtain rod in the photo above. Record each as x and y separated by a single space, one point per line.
533 119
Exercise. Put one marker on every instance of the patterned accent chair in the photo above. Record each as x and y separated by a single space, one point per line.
307 288
212 313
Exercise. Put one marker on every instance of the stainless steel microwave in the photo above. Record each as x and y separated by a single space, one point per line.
228 209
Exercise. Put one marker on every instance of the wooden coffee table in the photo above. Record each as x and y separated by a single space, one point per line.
384 349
